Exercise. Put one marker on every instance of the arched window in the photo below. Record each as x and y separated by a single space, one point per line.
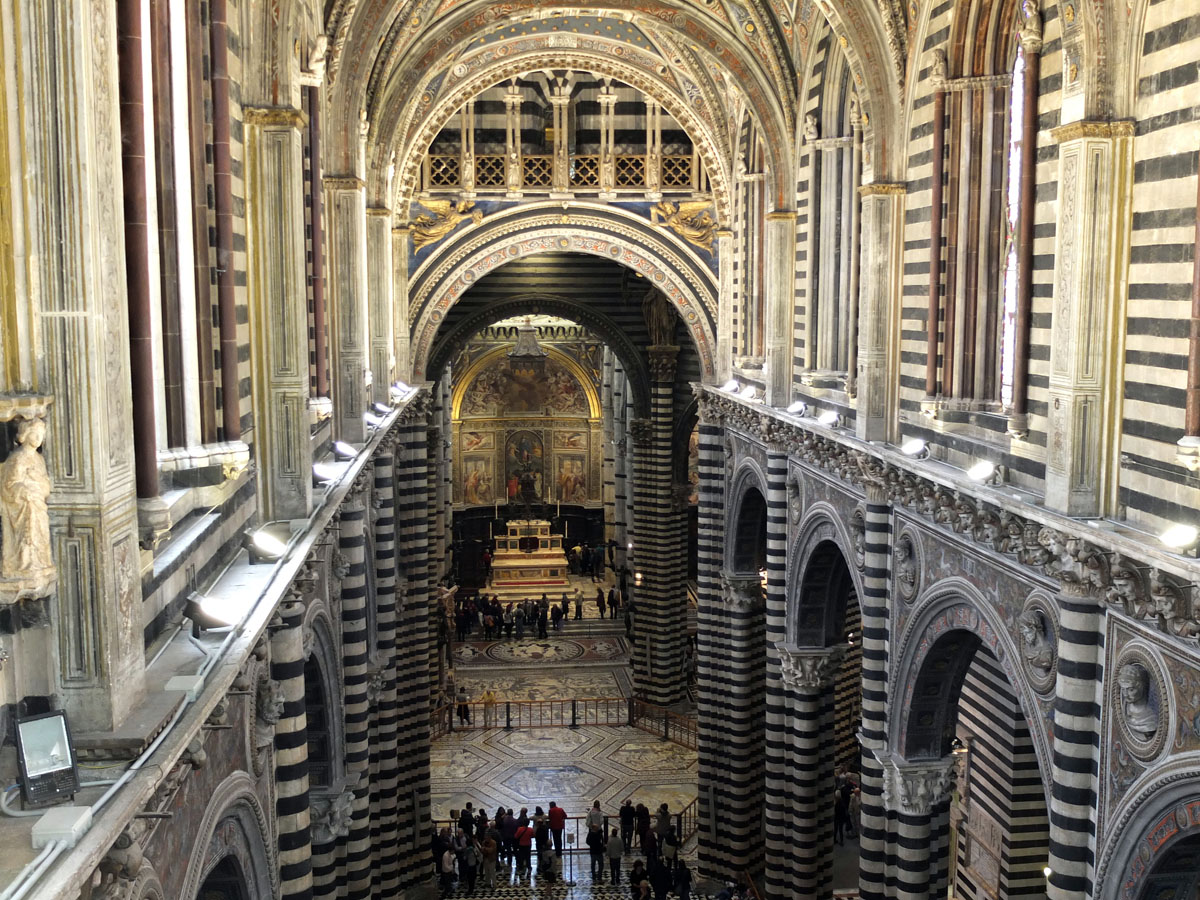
320 737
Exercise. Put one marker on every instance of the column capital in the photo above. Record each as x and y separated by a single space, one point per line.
915 787
662 361
744 592
809 669
274 117
1075 131
642 432
343 183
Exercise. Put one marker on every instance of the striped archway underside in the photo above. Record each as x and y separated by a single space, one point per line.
814 568
955 605
507 236
451 341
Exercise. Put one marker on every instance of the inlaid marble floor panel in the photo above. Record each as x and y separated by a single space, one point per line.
573 767
544 683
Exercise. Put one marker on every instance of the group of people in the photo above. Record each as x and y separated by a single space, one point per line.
495 621
476 845
585 560
847 804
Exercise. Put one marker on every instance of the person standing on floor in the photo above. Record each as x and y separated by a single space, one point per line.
595 816
468 864
670 850
558 821
650 846
447 871
683 881
541 622
615 849
464 710
660 880
662 822
596 849
612 603
600 601
524 842
508 836
578 605
627 818
598 564
489 851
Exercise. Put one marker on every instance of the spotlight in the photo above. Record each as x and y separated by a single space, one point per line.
1179 537
323 473
264 547
381 408
343 451
829 418
798 408
915 447
398 391
631 545
208 613
47 758
373 421
982 471
749 392
731 386
637 579
1046 871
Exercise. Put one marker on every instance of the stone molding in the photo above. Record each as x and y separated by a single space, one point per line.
809 669
274 117
883 189
343 183
1104 130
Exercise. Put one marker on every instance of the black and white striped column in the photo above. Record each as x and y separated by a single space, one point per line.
385 833
607 469
873 735
352 542
621 454
660 545
1076 727
800 749
916 792
291 753
716 862
412 643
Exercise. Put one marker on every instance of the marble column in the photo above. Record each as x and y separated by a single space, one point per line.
401 332
913 793
607 472
660 621
799 772
654 151
560 103
780 301
621 454
278 311
380 281
934 305
514 169
726 251
608 159
1075 756
1091 253
292 815
466 150
872 736
882 268
346 219
70 190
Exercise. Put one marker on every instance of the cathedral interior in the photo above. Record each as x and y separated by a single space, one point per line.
792 325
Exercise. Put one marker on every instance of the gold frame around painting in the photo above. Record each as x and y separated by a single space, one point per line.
480 467
579 491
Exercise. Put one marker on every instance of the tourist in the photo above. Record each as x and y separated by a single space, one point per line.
683 880
541 623
642 813
508 834
566 606
585 559
464 711
489 718
468 864
612 603
578 605
650 846
447 871
600 601
639 887
662 823
437 846
595 816
519 622
615 850
509 619
627 817
597 847
598 564
556 615
670 850
467 821
489 851
660 879
558 821
524 843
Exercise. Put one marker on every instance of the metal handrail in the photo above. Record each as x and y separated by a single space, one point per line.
509 714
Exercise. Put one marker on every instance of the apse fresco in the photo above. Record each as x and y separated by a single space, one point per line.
498 391
524 466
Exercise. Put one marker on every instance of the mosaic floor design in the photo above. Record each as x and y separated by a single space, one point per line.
544 684
536 650
573 767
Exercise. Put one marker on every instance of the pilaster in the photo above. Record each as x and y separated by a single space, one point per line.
1091 258
380 281
347 223
882 252
726 250
779 282
401 332
278 311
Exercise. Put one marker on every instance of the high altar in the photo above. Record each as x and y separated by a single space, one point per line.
529 558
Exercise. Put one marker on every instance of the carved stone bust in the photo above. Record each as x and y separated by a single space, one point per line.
1140 715
1036 645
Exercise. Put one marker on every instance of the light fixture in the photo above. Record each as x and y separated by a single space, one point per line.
343 451
207 613
829 418
631 545
749 392
982 471
798 408
264 547
1179 537
373 421
323 473
1046 871
762 578
47 758
731 386
915 447
398 391
637 579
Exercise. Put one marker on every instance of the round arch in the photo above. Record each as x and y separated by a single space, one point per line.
747 509
410 148
323 651
1143 830
618 236
954 606
820 531
450 342
234 824
489 358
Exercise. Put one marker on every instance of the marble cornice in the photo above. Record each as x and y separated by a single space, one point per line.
343 183
274 117
1052 546
1073 131
883 189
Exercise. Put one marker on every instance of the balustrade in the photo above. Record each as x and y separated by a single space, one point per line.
443 171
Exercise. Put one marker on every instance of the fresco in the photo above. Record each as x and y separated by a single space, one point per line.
570 440
478 440
477 485
498 391
524 465
570 477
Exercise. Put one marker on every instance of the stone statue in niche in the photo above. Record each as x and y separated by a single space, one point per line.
905 566
1140 715
1030 31
659 317
940 70
812 131
268 708
26 565
1036 646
